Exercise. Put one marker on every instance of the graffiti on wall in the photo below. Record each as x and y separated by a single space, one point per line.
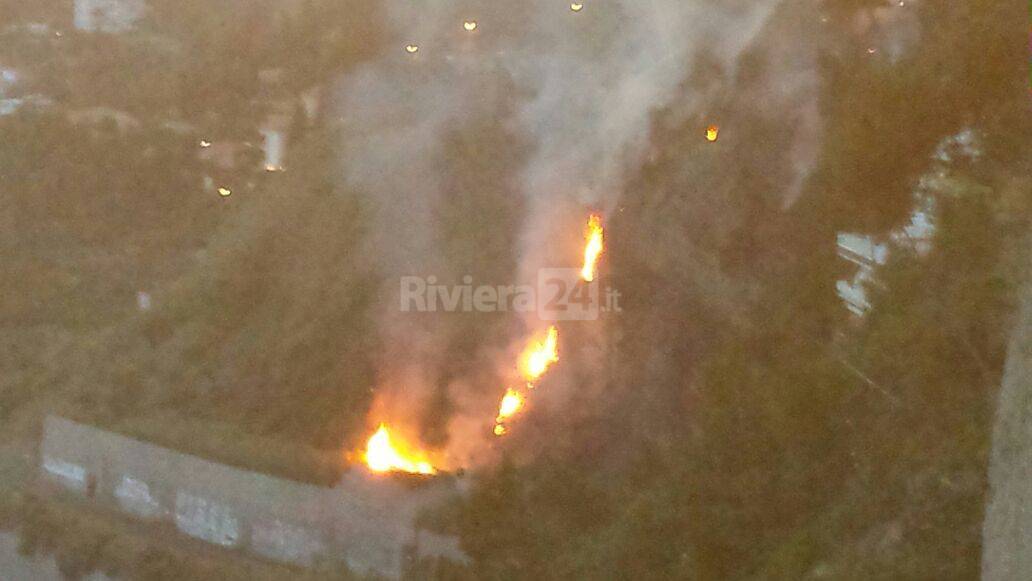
207 520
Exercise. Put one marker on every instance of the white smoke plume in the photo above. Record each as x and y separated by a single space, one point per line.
584 85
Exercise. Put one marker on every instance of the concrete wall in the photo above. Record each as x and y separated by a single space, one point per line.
1007 532
365 520
111 16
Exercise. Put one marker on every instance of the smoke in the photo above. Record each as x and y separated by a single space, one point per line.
581 88
595 88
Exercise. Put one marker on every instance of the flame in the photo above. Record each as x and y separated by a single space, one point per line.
576 7
712 132
512 402
540 355
205 143
535 361
470 25
383 455
412 48
593 249
225 192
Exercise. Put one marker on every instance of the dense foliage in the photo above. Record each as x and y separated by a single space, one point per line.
791 442
751 427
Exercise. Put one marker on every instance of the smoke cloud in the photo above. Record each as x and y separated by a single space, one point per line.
580 87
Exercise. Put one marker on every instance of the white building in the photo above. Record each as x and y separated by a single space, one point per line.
8 79
273 144
275 134
13 105
868 253
110 16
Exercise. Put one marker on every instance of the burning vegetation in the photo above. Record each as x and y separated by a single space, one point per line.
593 247
540 355
512 403
385 453
450 146
535 361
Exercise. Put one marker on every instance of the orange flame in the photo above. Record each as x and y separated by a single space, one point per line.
540 355
512 401
383 455
712 132
594 247
535 361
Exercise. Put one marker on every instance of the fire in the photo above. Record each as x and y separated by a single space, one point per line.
593 248
412 48
535 361
576 7
470 25
712 132
512 402
225 192
540 355
383 455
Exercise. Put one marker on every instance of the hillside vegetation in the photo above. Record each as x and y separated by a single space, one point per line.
750 427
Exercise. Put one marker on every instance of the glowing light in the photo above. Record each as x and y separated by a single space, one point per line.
712 132
534 362
225 192
540 355
576 7
594 245
470 25
383 455
273 168
412 48
511 403
205 143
